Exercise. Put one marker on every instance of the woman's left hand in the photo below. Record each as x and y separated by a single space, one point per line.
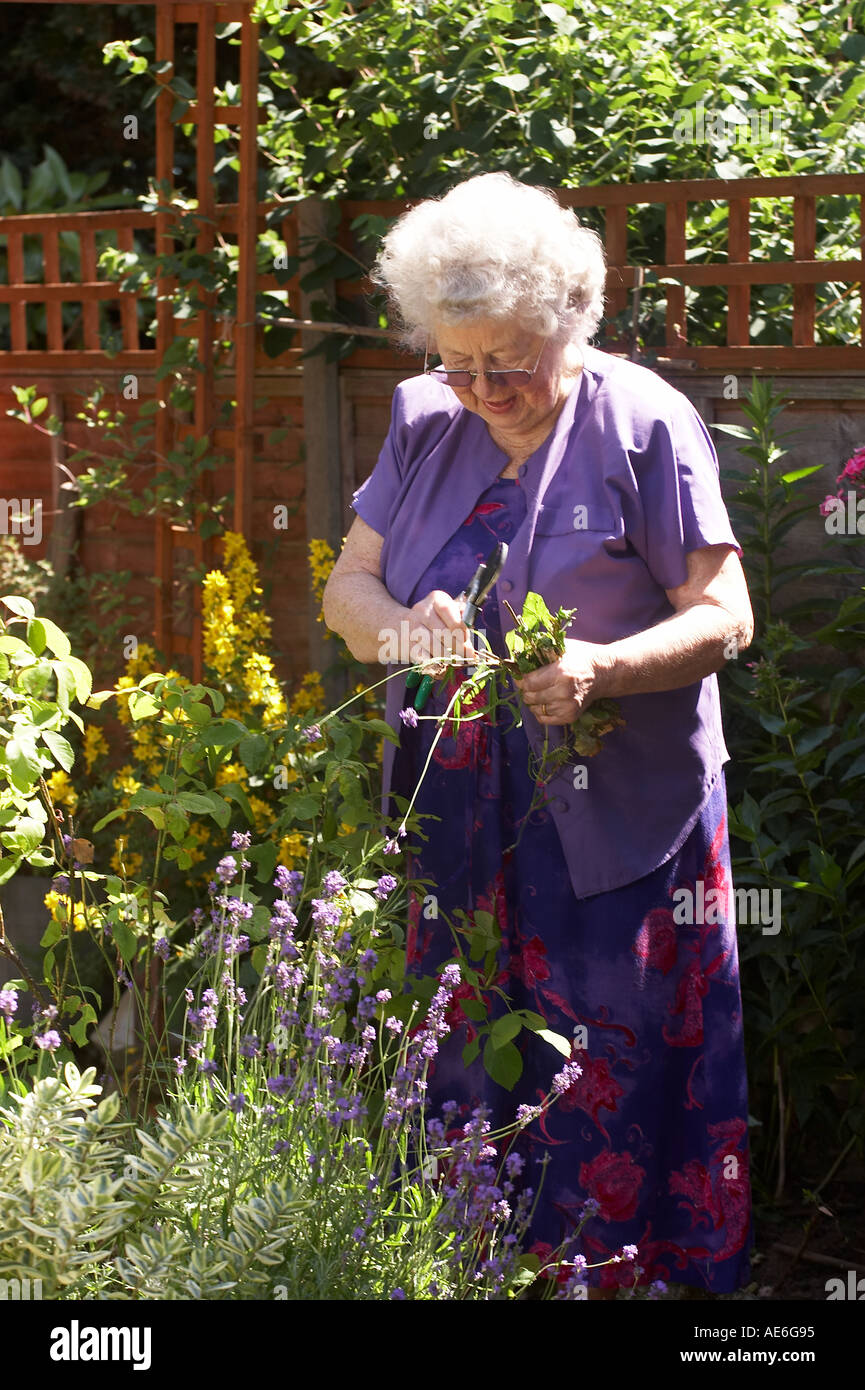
558 692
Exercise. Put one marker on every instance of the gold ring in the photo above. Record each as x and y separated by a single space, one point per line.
544 711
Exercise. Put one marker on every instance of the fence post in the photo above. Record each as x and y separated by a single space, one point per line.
322 437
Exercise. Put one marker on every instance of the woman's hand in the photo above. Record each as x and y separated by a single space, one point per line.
564 687
437 632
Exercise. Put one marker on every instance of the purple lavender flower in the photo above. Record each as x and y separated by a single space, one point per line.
657 1288
226 869
391 847
236 1102
249 1046
208 1067
49 1042
8 1003
566 1078
527 1113
60 883
288 881
180 1065
162 947
409 717
398 1294
203 1019
326 914
312 733
629 1252
385 885
241 839
278 1085
393 1025
333 883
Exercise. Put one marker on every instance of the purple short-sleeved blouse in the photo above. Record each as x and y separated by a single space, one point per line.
622 489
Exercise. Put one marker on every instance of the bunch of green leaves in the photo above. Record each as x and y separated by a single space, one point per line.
538 638
40 680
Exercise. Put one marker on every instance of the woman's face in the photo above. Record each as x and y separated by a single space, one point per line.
499 344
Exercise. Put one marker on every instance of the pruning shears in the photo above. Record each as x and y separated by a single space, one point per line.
475 593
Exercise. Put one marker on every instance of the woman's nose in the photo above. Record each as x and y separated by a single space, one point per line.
485 388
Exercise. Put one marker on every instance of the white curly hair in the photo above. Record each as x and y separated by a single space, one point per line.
493 248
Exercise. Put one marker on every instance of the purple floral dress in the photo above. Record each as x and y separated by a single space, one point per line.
653 1136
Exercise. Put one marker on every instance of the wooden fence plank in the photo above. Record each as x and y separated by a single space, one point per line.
675 325
89 305
53 309
17 311
739 296
804 248
616 244
247 240
128 302
164 319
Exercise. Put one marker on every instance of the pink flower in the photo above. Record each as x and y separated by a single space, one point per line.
854 467
831 504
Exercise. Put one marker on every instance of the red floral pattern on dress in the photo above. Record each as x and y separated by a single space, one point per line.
614 1180
595 1090
661 937
719 1195
657 943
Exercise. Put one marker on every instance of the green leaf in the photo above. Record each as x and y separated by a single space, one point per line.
61 748
504 1064
23 761
36 636
56 638
378 726
504 1029
555 1040
514 81
8 867
197 802
76 672
21 606
126 941
142 705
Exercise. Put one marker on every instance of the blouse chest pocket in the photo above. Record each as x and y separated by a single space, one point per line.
563 518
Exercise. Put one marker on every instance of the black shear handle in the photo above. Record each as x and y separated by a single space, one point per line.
482 581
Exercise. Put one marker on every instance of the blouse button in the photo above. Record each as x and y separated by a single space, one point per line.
560 804
522 470
507 585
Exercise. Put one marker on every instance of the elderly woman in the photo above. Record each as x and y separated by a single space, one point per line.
603 481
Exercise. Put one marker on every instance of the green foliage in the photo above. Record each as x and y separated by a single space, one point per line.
405 99
796 728
556 93
125 451
40 680
539 638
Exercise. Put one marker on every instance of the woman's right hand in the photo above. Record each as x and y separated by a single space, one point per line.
437 632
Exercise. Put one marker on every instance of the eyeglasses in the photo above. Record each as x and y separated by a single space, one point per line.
511 376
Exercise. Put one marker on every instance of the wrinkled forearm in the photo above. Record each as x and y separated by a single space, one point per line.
360 609
682 649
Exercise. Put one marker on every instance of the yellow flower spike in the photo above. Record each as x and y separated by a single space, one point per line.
321 561
95 746
62 790
292 851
